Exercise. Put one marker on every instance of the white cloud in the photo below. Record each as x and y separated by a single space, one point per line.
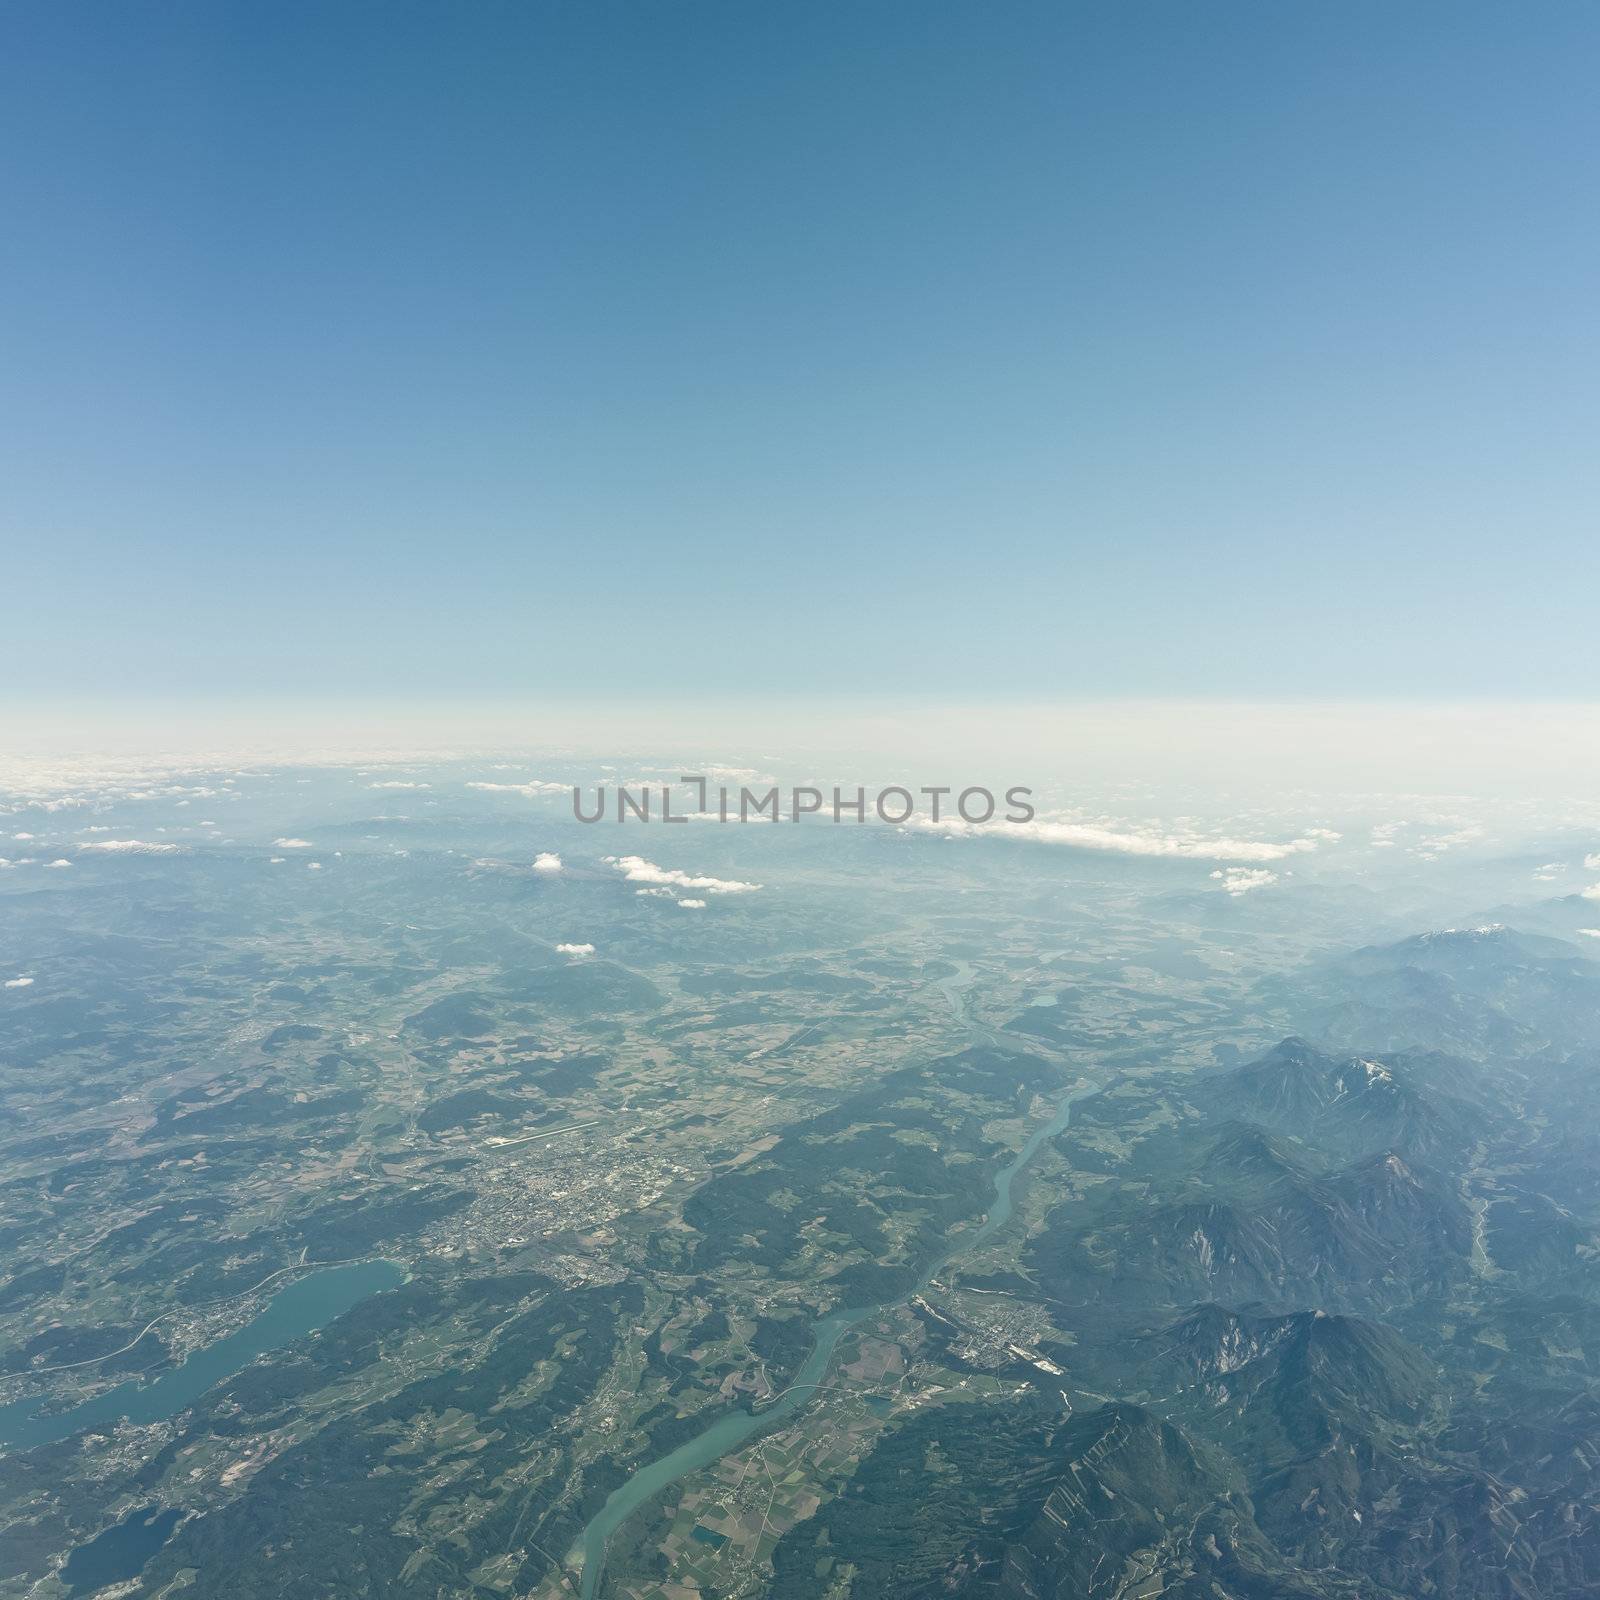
130 847
18 983
63 862
576 949
21 836
637 870
658 894
1241 880
1432 849
313 866
746 816
1591 862
293 844
535 787
693 905
1125 840
1590 933
547 861
1592 892
399 783
276 861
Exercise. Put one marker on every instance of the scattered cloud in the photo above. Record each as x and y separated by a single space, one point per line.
399 783
1592 862
1590 933
21 836
659 894
576 949
547 861
18 983
1592 892
1241 880
637 870
1549 872
293 844
693 905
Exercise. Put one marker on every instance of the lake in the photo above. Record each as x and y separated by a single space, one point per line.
297 1309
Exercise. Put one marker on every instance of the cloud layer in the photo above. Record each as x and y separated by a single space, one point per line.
1131 840
130 847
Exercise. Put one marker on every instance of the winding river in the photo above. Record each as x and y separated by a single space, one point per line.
731 1431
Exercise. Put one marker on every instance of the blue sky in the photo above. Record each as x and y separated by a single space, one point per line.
1039 351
